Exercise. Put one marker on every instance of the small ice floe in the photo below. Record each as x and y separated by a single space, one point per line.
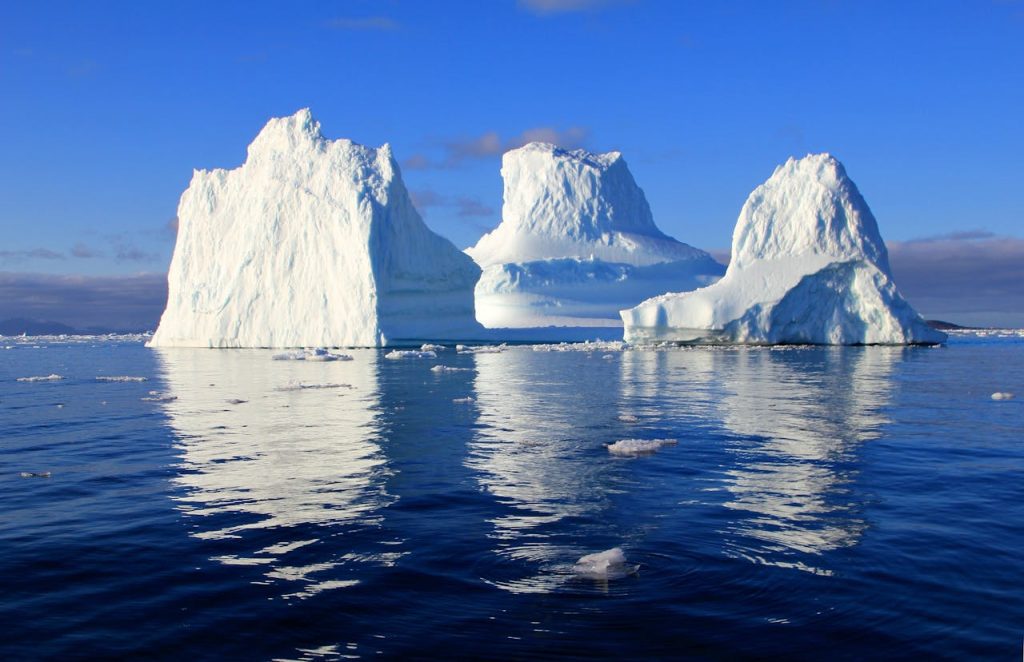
636 447
445 368
120 378
1002 395
427 347
410 354
320 354
608 356
304 386
609 564
481 349
157 396
35 474
42 378
629 418
463 401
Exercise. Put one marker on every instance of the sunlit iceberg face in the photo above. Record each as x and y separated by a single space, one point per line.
800 417
276 457
537 453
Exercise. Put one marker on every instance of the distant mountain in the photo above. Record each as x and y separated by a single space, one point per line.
15 326
945 326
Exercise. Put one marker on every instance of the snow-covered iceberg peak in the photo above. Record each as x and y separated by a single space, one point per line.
310 243
808 266
577 243
808 207
574 204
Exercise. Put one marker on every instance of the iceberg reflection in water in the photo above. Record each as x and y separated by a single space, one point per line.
275 457
801 416
538 452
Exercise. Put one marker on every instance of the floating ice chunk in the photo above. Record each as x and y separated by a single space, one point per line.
635 447
157 396
396 354
319 354
609 564
427 347
481 349
44 378
35 474
463 401
120 378
297 355
303 386
1001 395
628 418
445 368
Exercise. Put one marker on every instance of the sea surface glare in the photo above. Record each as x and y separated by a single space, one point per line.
857 502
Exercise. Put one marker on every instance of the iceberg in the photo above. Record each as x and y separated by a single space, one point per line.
808 266
310 243
576 244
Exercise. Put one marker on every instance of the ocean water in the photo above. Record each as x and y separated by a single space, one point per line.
849 503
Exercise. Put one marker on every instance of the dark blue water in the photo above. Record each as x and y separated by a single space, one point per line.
820 502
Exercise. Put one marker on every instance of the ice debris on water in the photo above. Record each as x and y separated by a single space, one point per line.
463 401
157 396
318 354
609 564
304 386
629 418
1002 395
428 347
35 474
635 447
481 349
43 378
446 368
409 354
120 378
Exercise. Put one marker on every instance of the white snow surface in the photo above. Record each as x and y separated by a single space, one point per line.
577 242
808 266
310 243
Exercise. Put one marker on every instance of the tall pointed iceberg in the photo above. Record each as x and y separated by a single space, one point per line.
577 242
808 266
311 242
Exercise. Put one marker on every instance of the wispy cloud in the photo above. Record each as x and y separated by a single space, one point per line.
118 302
365 23
547 7
30 254
460 150
464 207
84 251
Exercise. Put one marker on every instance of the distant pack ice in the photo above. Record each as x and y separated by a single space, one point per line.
311 242
808 266
577 242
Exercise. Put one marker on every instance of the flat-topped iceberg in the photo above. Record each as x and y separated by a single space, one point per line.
310 243
808 266
576 244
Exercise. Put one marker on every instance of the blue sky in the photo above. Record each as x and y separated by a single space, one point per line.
109 106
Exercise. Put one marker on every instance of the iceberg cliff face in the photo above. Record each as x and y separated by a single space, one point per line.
311 242
808 266
577 242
